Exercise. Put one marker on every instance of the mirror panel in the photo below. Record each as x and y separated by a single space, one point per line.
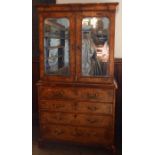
56 46
95 46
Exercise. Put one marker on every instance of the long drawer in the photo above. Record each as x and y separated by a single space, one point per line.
82 93
77 134
75 119
75 106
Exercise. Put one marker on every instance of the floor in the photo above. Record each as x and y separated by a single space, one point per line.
63 149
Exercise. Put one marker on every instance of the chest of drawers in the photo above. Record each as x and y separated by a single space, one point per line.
77 114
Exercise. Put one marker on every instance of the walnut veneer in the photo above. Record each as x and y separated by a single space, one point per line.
75 108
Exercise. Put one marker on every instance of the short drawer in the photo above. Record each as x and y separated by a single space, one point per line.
94 108
77 134
57 105
56 93
75 119
104 95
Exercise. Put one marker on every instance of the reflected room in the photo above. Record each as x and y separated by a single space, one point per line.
95 46
56 46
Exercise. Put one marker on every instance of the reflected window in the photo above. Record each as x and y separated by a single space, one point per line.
95 46
56 46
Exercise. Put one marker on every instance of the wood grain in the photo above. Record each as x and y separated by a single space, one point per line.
88 102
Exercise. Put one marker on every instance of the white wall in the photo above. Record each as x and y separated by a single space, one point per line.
118 28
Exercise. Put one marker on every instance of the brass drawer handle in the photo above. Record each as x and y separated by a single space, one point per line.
92 121
58 132
58 118
91 134
58 106
92 96
58 94
92 108
77 133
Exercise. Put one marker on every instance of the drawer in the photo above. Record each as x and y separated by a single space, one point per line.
56 93
77 134
77 107
55 105
75 119
104 95
94 108
82 93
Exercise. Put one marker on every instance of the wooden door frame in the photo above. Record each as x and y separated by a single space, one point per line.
42 17
96 79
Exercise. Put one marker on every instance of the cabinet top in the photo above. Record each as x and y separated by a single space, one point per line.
78 7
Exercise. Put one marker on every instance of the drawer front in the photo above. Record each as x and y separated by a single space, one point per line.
77 134
96 108
56 93
55 105
96 94
77 107
104 95
76 119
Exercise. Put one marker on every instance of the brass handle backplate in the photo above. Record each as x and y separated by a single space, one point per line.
92 108
59 132
92 121
57 94
92 96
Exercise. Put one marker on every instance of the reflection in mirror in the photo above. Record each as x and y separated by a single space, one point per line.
95 46
56 46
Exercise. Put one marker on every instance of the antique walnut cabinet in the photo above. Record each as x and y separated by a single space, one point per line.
77 87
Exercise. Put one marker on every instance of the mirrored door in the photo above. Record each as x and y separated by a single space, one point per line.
56 46
57 54
95 47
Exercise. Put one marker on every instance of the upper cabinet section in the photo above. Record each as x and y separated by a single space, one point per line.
76 42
